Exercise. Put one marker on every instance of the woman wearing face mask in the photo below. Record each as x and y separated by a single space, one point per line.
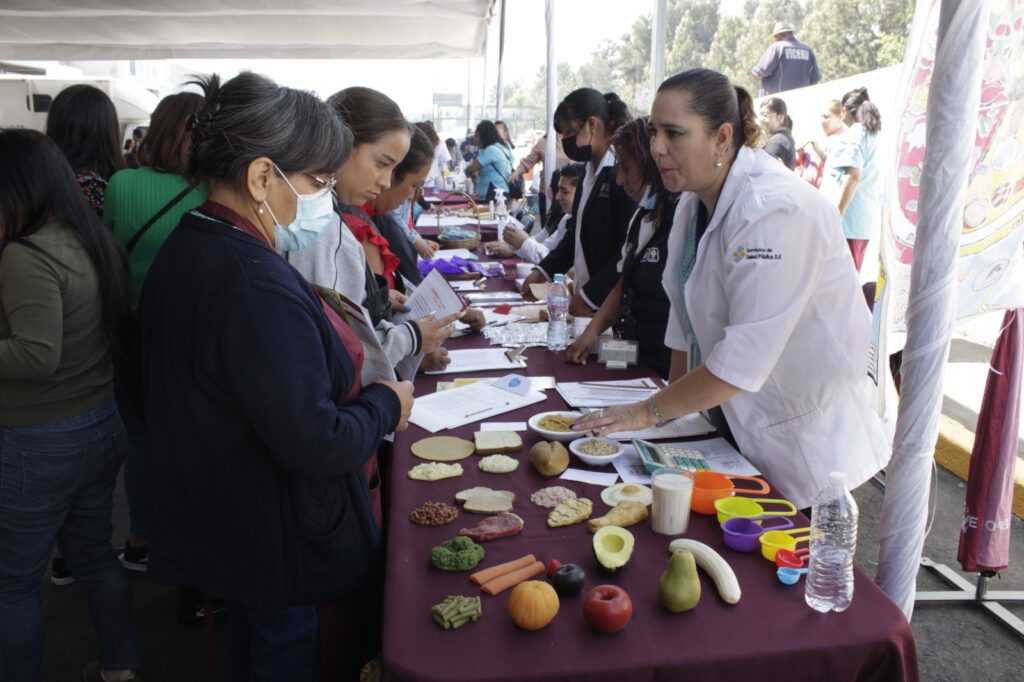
765 306
637 306
261 434
351 257
587 120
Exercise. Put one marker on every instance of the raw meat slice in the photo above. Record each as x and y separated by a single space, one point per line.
493 527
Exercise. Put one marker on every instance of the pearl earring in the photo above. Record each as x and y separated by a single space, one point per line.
261 208
718 163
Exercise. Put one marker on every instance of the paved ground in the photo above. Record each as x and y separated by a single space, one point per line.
955 642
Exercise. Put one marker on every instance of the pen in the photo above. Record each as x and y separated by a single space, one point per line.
473 414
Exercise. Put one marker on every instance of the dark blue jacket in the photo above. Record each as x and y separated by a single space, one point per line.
255 460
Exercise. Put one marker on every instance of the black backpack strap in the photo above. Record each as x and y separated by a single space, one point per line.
159 214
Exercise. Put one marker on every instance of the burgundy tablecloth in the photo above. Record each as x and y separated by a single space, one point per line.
770 635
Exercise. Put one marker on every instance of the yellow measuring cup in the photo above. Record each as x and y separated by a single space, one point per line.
774 540
744 507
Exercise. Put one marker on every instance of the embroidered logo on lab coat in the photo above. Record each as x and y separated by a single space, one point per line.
651 255
754 253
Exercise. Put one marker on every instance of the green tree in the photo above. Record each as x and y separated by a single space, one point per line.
853 37
723 55
692 35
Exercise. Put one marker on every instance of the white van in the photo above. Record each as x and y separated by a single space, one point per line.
25 99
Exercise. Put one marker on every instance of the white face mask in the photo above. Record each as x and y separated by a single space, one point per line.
649 198
313 213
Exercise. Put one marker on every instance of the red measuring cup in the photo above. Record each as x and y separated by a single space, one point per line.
791 558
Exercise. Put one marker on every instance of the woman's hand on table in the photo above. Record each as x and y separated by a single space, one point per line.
425 248
435 361
498 249
631 417
535 277
402 389
514 236
398 299
475 318
579 351
433 332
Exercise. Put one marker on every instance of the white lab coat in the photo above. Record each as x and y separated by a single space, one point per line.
777 311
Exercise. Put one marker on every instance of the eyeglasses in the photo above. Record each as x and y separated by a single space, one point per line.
329 183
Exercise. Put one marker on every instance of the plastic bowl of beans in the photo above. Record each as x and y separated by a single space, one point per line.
596 451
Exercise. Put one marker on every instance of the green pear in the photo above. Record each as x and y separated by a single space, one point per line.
679 586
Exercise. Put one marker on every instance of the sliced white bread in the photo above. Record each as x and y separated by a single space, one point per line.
496 442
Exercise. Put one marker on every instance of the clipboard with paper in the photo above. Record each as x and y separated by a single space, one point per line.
475 402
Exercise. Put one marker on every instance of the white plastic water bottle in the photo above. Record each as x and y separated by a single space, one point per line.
500 211
829 585
558 308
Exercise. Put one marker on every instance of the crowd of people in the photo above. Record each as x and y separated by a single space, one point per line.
188 315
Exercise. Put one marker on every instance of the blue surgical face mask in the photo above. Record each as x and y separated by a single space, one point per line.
649 198
313 213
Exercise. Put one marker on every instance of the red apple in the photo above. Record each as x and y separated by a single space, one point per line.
607 608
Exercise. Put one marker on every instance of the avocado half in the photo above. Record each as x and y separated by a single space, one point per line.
613 547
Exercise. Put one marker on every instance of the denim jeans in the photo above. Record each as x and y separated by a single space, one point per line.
267 646
57 483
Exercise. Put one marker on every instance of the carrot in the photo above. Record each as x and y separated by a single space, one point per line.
488 574
503 582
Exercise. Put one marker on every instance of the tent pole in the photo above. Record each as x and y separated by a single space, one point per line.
658 45
551 91
499 98
955 92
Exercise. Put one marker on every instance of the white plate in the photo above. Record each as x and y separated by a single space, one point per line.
595 460
562 436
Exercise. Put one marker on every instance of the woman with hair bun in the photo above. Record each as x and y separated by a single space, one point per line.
767 321
602 209
262 434
852 178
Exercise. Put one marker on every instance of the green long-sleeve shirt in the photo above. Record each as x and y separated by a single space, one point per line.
133 197
55 358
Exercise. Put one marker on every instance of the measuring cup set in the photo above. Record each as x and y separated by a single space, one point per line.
742 520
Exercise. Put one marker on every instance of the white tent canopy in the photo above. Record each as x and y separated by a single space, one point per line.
233 29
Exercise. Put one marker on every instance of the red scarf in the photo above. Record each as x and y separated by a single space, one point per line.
364 231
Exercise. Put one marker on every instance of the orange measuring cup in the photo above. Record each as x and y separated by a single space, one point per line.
710 486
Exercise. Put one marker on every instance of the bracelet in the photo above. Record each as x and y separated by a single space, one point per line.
654 408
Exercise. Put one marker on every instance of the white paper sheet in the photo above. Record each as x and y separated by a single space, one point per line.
503 426
429 219
433 295
479 360
467 404
606 393
455 253
592 477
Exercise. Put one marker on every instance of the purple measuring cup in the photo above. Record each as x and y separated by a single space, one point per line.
741 533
